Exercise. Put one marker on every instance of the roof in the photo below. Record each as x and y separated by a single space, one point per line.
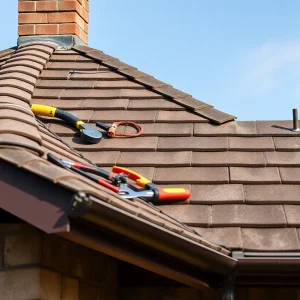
25 141
244 176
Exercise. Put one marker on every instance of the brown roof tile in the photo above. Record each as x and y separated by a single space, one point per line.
16 83
240 128
86 66
230 237
275 128
274 193
41 47
182 158
190 102
251 143
124 115
229 158
254 175
13 100
103 158
98 75
54 74
287 159
17 137
217 193
29 57
292 215
19 76
89 104
193 143
154 104
31 52
21 69
261 239
189 214
192 175
17 157
179 116
129 144
47 93
18 114
66 84
25 63
290 175
19 128
248 215
15 92
215 115
287 143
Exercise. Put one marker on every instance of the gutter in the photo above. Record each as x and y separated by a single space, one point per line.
205 260
267 268
122 249
33 199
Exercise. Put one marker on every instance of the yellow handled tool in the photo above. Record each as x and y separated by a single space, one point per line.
87 133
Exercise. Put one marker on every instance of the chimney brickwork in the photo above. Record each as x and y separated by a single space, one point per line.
54 18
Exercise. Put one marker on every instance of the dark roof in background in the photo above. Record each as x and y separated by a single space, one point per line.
244 176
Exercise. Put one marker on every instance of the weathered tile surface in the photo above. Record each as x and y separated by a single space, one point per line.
248 215
217 193
262 239
254 175
243 175
251 144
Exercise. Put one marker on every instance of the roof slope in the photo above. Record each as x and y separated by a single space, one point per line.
243 175
25 141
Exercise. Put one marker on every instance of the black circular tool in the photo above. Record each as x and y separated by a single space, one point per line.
89 134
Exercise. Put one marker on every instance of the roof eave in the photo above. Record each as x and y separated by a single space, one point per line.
197 256
34 199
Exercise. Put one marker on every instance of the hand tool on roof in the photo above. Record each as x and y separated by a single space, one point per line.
115 179
123 189
112 129
159 194
83 171
87 133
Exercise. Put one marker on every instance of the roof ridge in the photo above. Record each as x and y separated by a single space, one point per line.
17 82
193 105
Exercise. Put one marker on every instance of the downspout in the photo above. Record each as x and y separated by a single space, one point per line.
228 286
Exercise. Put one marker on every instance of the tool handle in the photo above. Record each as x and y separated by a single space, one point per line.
138 178
172 194
94 170
69 118
50 111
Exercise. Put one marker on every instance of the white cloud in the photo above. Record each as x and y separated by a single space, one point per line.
262 67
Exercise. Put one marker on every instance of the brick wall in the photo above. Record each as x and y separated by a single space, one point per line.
54 17
35 265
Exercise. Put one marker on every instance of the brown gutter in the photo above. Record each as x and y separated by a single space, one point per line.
33 199
268 271
156 237
123 250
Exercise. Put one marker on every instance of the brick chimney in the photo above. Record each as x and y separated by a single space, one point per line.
61 21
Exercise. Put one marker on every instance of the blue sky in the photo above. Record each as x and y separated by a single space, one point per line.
243 57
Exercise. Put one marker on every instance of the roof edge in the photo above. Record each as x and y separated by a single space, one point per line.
152 236
129 252
196 106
